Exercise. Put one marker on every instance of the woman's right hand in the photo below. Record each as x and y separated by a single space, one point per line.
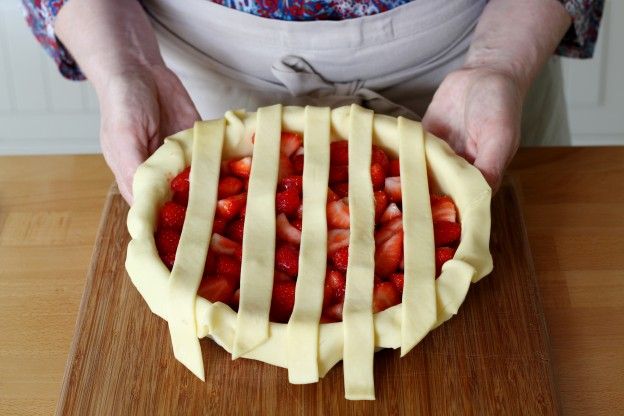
139 107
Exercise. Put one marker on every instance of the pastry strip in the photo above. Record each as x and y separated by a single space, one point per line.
256 283
188 267
303 327
418 310
357 316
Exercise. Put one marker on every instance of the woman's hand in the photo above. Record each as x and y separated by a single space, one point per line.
478 111
139 107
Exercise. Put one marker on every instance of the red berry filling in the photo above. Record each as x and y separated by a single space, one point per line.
221 278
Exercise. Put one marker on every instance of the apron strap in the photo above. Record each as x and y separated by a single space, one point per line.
300 78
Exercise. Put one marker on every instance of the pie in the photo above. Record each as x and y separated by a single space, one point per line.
291 236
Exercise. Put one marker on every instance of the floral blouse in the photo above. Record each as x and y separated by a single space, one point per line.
579 42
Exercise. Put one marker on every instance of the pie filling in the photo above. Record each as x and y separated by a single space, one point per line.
221 276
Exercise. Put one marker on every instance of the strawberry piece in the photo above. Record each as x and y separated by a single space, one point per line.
279 276
287 202
290 143
231 206
337 239
223 245
337 215
228 186
395 168
397 280
210 266
216 289
172 216
388 255
287 232
287 259
180 186
299 214
283 301
218 225
285 168
225 167
297 164
380 157
167 241
235 230
391 213
443 208
234 302
332 314
337 282
393 188
297 223
294 182
385 295
378 176
442 255
340 259
446 232
338 173
339 153
381 202
331 195
241 167
388 230
341 189
228 266
168 260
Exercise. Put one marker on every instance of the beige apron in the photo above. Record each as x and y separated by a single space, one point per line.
390 62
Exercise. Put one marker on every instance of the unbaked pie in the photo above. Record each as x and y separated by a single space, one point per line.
303 236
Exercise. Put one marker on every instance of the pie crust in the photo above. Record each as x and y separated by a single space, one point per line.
308 349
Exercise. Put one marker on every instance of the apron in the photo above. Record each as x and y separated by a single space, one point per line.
390 62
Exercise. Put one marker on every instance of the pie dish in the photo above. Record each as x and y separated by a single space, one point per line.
304 345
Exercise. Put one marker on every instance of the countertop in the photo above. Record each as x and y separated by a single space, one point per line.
573 202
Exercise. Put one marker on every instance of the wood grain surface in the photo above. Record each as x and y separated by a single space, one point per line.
50 208
492 358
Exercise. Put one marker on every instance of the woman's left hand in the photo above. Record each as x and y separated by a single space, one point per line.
478 111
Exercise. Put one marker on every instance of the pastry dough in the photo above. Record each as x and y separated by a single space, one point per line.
450 175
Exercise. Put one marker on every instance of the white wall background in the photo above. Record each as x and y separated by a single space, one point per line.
40 112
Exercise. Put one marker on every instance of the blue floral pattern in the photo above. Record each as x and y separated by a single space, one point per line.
579 42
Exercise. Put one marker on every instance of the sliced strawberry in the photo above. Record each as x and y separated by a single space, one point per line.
290 142
223 245
287 202
328 294
442 255
380 157
388 255
225 167
180 186
172 216
445 232
228 266
234 302
331 195
388 230
340 259
393 188
297 223
443 208
231 206
332 313
391 213
218 225
397 279
341 189
287 259
294 182
241 167
337 239
297 164
279 276
216 289
337 282
168 260
339 153
235 230
395 168
286 231
228 186
285 167
210 266
283 301
381 202
337 215
167 241
299 214
338 173
378 176
385 295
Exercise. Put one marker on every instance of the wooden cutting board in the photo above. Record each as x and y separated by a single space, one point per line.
492 358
